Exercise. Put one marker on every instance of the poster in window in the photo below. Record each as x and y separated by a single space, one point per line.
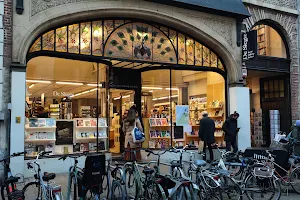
182 115
64 132
178 132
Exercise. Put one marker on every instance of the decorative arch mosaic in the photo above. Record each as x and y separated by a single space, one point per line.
127 40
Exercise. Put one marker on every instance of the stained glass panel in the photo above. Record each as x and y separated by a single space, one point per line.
48 41
143 43
165 30
108 28
206 56
61 39
220 65
199 54
118 23
173 38
119 44
213 59
97 38
189 51
73 40
36 45
85 38
181 49
163 50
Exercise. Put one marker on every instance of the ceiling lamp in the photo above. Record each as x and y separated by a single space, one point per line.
172 89
38 81
31 86
68 83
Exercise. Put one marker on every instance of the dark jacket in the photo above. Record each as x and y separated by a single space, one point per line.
207 130
295 136
230 129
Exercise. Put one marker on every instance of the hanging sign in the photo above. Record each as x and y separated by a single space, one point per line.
122 78
249 41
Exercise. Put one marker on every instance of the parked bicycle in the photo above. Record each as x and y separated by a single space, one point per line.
9 189
43 187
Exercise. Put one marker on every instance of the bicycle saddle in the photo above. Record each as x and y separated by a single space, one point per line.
148 171
49 176
175 163
12 179
200 163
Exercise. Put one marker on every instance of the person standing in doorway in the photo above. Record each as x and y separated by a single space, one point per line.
230 128
129 124
207 134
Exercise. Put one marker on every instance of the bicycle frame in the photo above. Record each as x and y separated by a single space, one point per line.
48 191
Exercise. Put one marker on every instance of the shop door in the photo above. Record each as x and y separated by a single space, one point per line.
121 101
275 95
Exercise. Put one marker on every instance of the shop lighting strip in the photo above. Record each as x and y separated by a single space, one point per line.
152 88
38 81
31 86
172 89
94 85
68 83
84 92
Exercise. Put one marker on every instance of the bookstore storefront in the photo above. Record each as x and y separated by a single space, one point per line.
81 78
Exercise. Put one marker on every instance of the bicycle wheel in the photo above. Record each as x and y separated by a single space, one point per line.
16 194
208 188
295 179
235 170
32 191
131 185
267 188
152 191
106 185
229 189
117 191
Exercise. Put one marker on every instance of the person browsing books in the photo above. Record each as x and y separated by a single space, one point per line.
207 134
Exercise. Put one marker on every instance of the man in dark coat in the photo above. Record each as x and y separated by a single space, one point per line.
207 134
230 128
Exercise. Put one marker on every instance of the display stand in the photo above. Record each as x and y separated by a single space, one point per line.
39 135
160 131
85 132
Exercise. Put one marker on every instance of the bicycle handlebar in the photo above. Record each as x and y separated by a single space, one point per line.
14 155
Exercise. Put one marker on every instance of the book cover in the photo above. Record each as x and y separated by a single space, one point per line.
50 122
42 136
151 144
49 147
101 145
40 148
164 122
152 122
93 122
92 146
79 122
84 147
41 122
76 147
33 122
87 123
102 122
158 122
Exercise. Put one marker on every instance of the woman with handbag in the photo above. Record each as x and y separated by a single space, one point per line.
130 123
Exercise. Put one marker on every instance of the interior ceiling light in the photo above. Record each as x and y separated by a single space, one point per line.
84 92
124 97
117 98
31 86
37 81
68 83
172 89
94 84
152 88
167 97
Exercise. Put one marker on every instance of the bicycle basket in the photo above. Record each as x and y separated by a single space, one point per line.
263 172
94 169
16 195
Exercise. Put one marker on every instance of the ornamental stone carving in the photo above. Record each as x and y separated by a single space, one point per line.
41 5
222 27
284 3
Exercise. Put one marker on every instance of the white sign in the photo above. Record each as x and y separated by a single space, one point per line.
61 94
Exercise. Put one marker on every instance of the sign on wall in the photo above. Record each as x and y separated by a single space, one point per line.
249 41
122 78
